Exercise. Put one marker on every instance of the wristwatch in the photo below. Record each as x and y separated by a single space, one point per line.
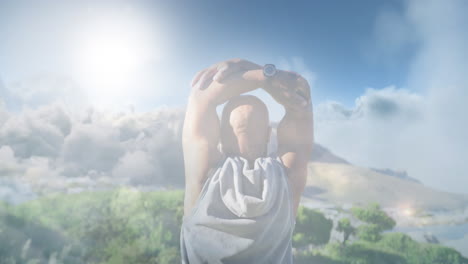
269 70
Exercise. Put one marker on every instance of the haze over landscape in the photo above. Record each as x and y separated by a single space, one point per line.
92 97
409 116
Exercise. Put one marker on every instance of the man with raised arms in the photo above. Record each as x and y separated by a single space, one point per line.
240 202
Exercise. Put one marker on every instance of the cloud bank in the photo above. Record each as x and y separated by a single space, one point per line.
50 148
421 128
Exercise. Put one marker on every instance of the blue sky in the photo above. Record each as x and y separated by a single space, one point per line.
389 80
333 39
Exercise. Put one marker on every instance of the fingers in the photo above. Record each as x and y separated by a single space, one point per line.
223 70
295 98
288 96
300 100
295 82
202 75
227 68
302 94
303 88
226 73
196 78
205 79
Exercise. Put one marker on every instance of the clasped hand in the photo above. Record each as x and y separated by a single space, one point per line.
288 88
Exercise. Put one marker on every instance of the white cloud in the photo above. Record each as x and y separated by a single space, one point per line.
393 38
8 160
423 131
375 132
92 147
43 89
35 132
51 148
138 167
3 112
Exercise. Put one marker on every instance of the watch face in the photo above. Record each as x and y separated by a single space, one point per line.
269 70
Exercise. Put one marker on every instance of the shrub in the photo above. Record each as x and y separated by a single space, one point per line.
312 227
376 221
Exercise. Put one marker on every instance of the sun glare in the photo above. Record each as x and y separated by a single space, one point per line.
107 57
111 50
408 211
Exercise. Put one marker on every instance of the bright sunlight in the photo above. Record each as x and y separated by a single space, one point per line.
111 50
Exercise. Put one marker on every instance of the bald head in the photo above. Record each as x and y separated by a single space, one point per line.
245 129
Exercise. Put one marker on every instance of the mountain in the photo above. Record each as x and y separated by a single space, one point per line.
345 184
334 180
322 154
399 174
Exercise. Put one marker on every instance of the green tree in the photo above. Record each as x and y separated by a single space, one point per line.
369 232
345 227
376 221
312 227
119 226
26 241
419 253
130 226
362 253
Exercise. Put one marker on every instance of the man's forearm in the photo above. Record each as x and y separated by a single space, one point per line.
239 83
303 113
295 130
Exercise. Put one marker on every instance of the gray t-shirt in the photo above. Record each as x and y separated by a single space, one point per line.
243 215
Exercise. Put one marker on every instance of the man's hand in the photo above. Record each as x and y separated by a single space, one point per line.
290 90
221 72
222 81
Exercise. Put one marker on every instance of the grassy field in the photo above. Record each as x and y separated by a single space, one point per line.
129 226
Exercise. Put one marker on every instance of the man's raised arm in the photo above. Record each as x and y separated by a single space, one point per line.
201 133
295 130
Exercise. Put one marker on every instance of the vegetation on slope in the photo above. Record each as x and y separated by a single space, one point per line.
129 226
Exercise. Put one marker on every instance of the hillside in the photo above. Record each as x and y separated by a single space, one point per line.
322 154
342 184
125 225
